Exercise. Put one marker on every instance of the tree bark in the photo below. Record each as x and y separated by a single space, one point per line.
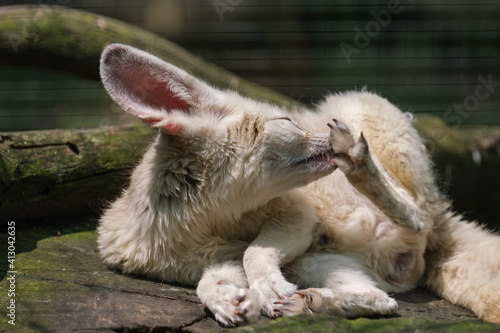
66 172
73 172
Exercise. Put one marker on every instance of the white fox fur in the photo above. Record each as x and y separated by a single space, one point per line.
235 195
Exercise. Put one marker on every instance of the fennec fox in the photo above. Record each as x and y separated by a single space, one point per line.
234 195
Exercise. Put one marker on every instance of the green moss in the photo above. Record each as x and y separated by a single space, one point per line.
63 273
44 174
324 323
129 146
41 297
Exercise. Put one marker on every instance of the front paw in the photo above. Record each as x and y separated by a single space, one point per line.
233 306
349 155
271 292
302 302
340 138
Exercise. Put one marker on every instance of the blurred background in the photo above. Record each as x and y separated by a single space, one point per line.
437 57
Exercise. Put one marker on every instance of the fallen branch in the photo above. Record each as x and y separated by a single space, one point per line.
65 172
72 40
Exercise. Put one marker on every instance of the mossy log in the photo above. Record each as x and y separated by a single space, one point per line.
72 40
63 172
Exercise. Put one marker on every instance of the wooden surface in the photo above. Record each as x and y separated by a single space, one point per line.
63 286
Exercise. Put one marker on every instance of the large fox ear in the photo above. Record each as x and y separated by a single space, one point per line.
148 87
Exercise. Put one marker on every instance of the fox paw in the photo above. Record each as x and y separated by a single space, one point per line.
373 302
299 303
349 155
270 292
354 160
350 304
234 305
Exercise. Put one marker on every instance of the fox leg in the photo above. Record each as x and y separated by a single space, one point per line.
224 290
342 286
355 161
287 234
222 285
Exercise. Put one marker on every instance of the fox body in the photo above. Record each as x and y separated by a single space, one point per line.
243 200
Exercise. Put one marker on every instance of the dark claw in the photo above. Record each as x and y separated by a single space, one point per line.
342 127
363 139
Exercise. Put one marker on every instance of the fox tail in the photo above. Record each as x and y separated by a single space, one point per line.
463 265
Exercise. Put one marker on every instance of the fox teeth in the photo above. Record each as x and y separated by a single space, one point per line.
327 156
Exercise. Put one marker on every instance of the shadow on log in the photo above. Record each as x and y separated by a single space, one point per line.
74 172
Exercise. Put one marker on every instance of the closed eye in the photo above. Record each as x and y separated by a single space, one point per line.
290 120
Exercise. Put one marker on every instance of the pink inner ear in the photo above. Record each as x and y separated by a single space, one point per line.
172 128
150 91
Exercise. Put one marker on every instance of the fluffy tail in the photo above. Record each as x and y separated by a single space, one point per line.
463 266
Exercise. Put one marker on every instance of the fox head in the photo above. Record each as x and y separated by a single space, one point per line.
212 143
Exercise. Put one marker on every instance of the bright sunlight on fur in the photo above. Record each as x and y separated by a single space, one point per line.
283 213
